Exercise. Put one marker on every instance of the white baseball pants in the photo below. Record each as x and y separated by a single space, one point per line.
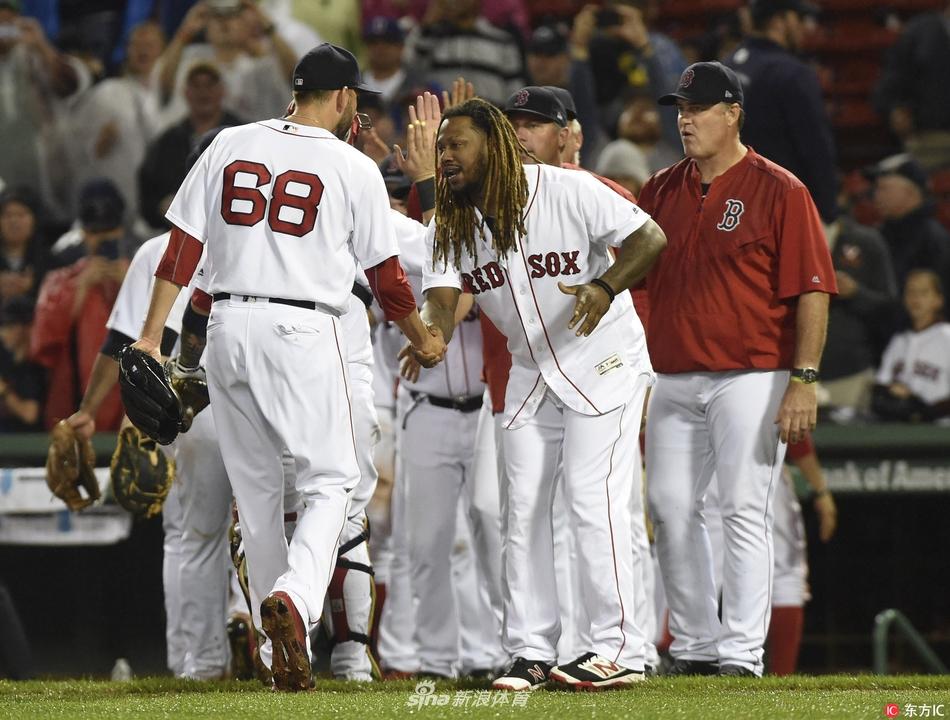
278 379
435 477
205 497
597 453
723 423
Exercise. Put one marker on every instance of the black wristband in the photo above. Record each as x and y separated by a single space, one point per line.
194 322
605 287
426 190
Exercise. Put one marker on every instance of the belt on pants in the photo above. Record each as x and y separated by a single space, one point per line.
462 404
305 304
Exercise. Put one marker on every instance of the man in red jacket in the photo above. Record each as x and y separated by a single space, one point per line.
739 307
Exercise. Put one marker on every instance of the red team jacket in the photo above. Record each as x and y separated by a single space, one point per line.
722 294
69 346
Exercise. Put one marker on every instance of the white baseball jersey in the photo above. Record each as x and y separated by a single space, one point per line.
571 220
921 361
275 228
460 372
131 304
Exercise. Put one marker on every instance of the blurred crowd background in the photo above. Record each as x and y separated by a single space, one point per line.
101 100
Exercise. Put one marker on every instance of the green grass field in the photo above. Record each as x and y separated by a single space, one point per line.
837 696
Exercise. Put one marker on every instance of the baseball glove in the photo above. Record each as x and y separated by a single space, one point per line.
70 465
141 473
191 385
151 403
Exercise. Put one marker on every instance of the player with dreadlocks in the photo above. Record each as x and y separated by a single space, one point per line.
531 241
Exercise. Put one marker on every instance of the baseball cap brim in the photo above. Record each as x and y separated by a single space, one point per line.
671 99
525 111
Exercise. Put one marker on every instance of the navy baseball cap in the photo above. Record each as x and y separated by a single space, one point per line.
547 40
328 67
903 165
383 28
567 100
539 101
100 206
706 83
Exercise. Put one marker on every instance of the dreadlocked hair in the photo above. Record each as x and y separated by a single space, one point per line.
505 190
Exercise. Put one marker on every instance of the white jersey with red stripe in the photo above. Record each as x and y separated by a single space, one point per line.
571 220
131 304
284 209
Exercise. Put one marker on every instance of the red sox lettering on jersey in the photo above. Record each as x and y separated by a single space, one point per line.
561 244
552 264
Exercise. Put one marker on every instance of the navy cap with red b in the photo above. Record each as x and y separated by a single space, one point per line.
539 101
706 83
328 67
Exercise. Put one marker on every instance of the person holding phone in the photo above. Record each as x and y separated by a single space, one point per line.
74 303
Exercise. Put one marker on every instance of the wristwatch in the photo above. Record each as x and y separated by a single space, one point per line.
806 375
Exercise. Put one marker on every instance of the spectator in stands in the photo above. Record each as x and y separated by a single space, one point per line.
454 39
253 59
71 313
913 92
34 80
623 162
385 71
626 54
101 211
786 120
866 293
914 236
913 383
164 166
23 257
639 139
21 381
558 60
118 117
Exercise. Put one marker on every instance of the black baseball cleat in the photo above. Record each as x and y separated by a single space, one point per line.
735 671
693 667
595 672
523 675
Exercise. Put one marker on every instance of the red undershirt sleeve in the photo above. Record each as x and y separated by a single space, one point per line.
202 301
181 258
392 289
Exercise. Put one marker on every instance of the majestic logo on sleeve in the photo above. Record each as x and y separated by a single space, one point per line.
730 218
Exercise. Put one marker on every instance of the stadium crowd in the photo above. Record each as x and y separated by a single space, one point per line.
102 105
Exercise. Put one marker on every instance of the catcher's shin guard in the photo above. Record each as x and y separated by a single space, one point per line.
349 613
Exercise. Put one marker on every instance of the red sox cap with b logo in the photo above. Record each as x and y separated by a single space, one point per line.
540 101
706 83
328 67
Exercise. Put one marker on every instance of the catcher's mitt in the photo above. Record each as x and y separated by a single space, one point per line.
141 473
191 385
70 465
151 403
